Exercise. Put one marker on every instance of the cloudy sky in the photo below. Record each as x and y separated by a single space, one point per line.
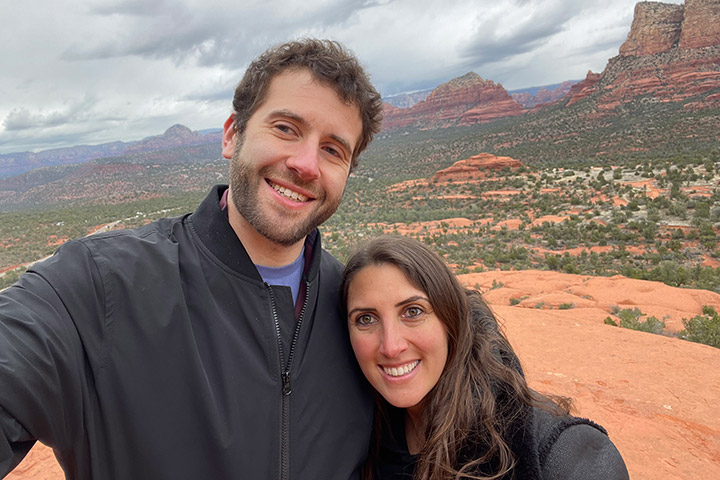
93 71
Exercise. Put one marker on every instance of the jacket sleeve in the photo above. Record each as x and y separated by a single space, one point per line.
43 364
582 452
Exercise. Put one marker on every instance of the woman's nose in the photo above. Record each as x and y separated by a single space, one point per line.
393 341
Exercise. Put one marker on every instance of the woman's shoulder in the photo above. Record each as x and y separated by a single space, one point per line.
572 448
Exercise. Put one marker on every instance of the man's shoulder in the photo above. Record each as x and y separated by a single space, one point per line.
117 249
163 228
331 262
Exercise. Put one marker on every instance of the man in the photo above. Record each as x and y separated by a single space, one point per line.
209 346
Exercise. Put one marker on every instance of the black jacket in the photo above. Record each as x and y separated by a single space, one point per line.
546 447
157 354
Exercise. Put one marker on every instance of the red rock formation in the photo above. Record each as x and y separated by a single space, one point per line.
582 90
655 28
672 54
548 96
464 100
701 26
475 167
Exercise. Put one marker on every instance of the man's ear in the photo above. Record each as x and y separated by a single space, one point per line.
229 137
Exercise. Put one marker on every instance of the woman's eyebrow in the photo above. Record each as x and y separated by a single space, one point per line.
360 309
412 299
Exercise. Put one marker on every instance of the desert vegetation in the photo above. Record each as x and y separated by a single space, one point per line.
652 217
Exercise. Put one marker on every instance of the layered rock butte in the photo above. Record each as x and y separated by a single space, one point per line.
672 54
462 101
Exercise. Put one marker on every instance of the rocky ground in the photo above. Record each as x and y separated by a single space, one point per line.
656 395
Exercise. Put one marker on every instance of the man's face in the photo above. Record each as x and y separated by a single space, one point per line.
289 167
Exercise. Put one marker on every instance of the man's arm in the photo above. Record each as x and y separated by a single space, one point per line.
42 357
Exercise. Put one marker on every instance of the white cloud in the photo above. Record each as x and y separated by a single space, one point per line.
102 70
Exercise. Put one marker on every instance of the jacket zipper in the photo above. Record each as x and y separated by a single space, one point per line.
285 376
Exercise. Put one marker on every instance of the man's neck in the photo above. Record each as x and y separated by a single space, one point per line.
261 250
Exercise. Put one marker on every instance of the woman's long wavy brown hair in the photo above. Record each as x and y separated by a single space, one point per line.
482 390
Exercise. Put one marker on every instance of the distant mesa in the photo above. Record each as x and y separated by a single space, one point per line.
175 136
542 95
475 167
461 101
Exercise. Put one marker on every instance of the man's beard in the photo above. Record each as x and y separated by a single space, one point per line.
244 186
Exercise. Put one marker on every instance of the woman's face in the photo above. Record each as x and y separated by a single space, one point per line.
399 342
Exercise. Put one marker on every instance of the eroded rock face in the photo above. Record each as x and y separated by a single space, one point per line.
464 100
582 90
701 26
672 54
659 27
656 28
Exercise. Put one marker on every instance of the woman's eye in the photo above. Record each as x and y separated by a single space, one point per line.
364 320
413 312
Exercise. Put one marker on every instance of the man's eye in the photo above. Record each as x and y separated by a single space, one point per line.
334 152
284 128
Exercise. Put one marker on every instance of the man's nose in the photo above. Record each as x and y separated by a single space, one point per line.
305 161
393 341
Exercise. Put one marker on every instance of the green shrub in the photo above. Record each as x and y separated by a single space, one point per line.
610 321
566 306
703 328
630 318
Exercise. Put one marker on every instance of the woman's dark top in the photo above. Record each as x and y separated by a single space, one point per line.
546 447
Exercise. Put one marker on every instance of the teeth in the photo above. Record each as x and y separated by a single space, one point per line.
286 192
400 371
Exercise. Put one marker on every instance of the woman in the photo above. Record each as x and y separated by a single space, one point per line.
453 401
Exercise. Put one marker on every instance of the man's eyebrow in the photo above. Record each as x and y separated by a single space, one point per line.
301 120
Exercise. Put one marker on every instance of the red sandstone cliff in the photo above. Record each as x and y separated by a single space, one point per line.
672 54
656 28
701 25
464 100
